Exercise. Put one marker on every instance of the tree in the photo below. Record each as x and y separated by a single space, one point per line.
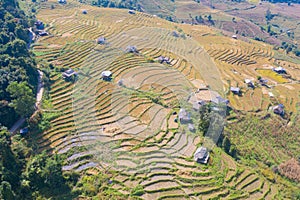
269 15
204 119
44 174
17 48
10 169
226 144
23 100
209 17
6 192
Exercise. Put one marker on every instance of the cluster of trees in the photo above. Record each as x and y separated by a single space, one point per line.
290 48
18 76
208 118
284 1
24 175
130 4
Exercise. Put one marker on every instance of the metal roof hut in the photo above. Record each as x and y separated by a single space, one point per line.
191 127
235 90
184 117
101 40
69 73
43 33
175 34
106 75
279 70
62 1
220 100
279 109
163 59
24 131
201 155
132 12
249 83
131 49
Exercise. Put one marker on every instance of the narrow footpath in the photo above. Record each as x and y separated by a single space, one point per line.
39 96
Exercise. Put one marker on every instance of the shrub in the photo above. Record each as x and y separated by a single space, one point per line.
290 169
137 191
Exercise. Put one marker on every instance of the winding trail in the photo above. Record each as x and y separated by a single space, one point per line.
39 96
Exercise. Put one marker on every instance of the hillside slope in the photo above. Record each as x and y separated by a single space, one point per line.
127 125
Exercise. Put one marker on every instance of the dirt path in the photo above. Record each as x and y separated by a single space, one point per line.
39 96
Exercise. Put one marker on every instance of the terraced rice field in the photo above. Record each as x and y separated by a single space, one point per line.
127 124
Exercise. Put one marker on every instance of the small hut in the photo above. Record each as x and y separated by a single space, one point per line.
220 100
184 116
69 73
24 131
234 37
279 70
43 33
191 127
106 75
235 90
175 34
201 155
101 40
249 83
62 1
131 49
279 109
132 12
163 59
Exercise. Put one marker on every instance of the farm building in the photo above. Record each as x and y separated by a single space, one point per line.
175 34
249 83
69 73
163 59
43 33
131 49
106 75
201 155
279 109
184 116
203 96
279 70
24 131
101 40
62 1
191 127
220 100
264 82
235 90
131 12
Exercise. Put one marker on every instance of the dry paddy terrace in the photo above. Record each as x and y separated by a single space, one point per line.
130 127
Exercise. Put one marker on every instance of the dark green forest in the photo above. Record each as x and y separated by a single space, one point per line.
284 1
130 4
18 75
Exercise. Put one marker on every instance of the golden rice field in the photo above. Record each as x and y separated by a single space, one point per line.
130 128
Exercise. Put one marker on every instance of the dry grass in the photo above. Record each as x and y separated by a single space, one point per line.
290 169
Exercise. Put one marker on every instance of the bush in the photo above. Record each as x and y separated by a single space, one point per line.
138 191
